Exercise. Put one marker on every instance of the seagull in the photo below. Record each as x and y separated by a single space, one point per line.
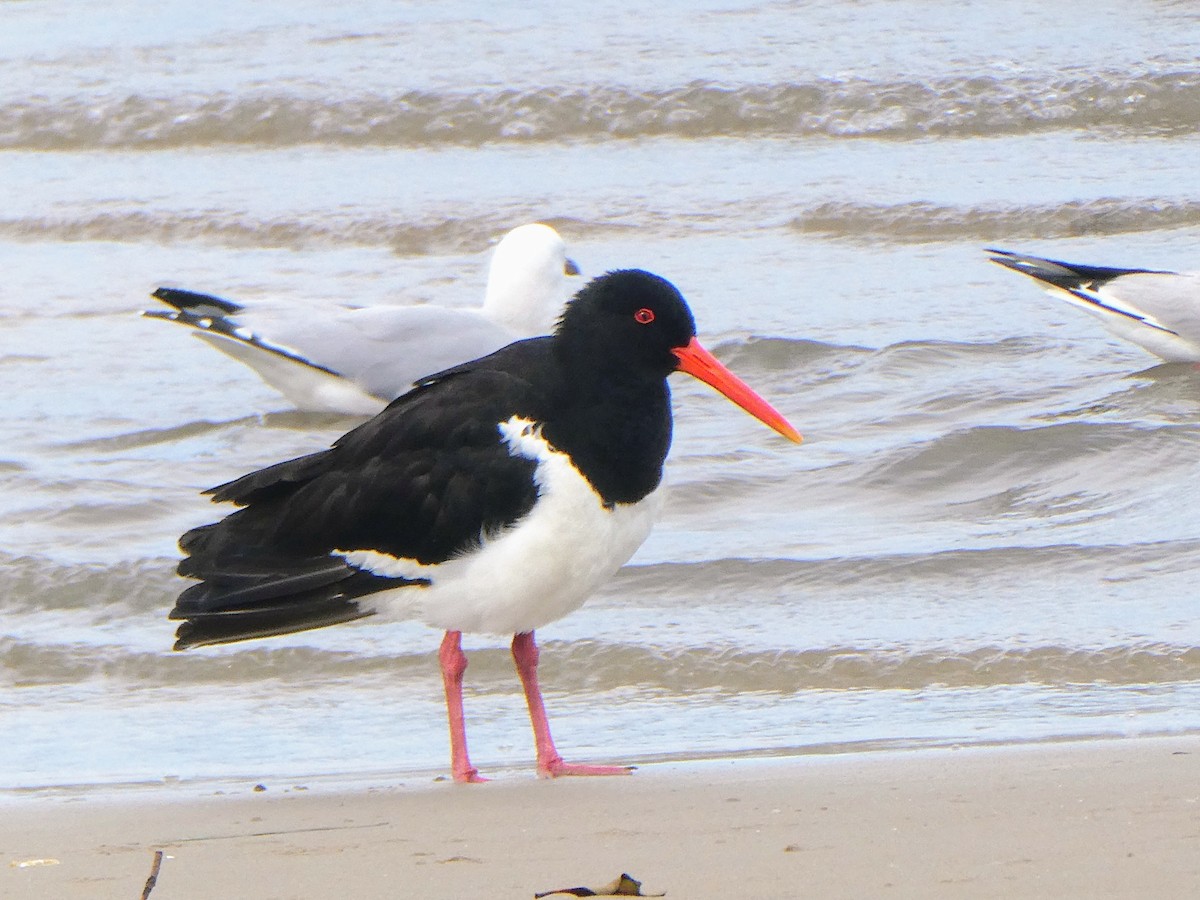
1157 310
493 498
355 360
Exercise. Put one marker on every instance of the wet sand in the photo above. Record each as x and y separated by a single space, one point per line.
1103 818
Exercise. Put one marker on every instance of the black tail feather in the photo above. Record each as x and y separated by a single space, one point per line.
242 625
232 608
230 589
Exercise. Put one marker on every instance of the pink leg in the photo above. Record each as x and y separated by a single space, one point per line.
549 763
454 663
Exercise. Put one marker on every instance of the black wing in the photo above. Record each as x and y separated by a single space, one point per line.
423 480
1063 275
194 304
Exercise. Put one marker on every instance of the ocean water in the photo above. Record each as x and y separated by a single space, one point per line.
989 535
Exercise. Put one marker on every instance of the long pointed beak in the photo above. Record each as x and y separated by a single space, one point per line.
699 363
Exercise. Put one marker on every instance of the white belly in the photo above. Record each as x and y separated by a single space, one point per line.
533 573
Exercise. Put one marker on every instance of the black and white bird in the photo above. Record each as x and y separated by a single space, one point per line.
494 497
1157 310
356 360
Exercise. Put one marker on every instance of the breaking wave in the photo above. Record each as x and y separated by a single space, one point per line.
1166 103
921 221
903 223
591 666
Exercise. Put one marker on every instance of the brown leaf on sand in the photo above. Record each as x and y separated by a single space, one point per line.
624 886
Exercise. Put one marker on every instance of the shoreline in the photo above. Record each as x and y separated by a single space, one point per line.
174 787
1113 817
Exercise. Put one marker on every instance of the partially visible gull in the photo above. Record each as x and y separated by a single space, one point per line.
1157 310
356 360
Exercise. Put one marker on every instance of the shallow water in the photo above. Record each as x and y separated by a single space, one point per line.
987 536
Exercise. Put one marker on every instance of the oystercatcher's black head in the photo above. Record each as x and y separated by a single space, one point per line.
629 318
639 322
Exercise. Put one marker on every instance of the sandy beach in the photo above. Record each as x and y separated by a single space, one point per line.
1101 818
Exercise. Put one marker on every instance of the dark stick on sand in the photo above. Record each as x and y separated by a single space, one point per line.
153 879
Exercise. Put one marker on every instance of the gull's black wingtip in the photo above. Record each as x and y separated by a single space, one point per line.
196 303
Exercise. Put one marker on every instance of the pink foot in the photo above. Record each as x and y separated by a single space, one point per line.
471 776
556 768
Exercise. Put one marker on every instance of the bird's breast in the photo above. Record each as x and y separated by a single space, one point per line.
537 569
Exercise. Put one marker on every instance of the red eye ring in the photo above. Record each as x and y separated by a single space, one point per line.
644 316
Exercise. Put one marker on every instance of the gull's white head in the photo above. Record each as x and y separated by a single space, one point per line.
528 280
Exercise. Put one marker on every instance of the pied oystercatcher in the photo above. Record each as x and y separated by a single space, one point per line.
494 497
1159 311
354 361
